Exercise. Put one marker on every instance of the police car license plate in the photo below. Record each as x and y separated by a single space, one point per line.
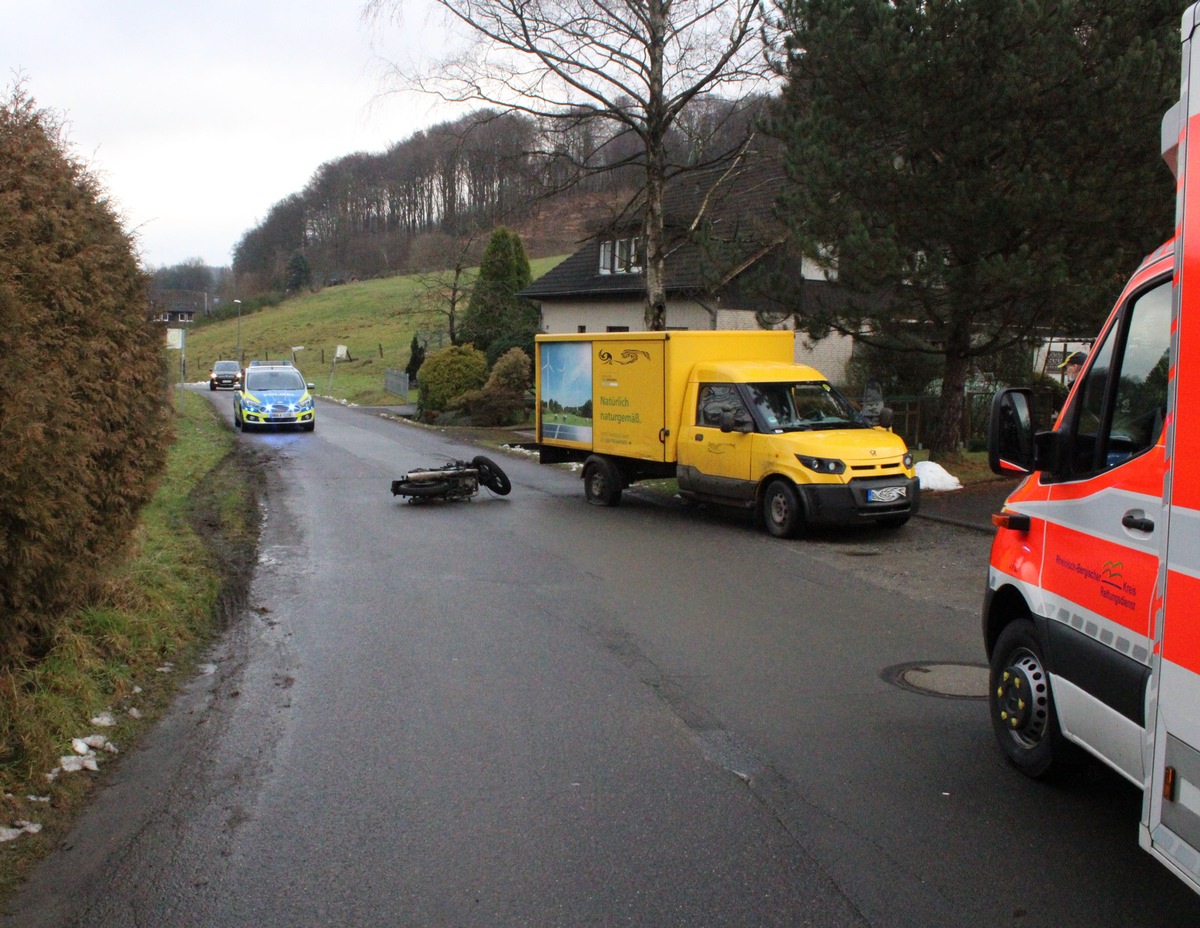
887 494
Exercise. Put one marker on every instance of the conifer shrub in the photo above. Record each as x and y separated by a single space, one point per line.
84 423
511 372
492 408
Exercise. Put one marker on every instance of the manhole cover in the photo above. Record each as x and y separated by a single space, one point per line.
948 679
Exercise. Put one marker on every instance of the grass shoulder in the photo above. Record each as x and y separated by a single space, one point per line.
123 657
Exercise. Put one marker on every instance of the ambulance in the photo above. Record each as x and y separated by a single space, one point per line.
1090 619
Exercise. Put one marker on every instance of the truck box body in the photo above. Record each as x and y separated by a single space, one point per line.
650 404
1090 620
636 382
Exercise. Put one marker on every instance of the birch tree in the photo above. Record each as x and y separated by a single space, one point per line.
633 65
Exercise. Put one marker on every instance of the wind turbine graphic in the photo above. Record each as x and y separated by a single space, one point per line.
547 369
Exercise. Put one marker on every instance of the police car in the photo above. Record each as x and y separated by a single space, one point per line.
274 396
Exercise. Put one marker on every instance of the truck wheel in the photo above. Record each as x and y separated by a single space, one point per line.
1022 708
781 509
491 476
601 481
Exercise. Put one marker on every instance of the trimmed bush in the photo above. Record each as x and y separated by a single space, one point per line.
84 414
448 374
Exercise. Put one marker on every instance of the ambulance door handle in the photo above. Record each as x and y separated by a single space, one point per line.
1137 523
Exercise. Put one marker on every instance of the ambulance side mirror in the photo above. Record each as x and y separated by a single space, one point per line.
1010 433
1050 453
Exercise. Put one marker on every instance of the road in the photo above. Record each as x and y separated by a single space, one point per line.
530 711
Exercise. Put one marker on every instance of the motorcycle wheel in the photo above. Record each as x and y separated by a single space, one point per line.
426 490
491 476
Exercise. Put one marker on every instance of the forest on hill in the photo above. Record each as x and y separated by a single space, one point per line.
431 201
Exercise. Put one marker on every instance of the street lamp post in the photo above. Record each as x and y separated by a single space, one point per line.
238 304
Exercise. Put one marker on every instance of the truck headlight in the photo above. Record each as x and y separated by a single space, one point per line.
908 461
822 465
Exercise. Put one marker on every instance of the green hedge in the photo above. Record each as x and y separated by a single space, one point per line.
84 419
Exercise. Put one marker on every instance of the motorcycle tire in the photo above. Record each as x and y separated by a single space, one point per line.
427 490
491 476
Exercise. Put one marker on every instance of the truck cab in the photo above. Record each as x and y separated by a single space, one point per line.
780 438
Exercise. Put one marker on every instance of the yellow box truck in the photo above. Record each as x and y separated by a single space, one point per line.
730 415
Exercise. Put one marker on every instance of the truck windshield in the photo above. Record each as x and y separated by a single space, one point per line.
789 407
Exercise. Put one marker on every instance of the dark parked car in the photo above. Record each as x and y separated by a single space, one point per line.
225 374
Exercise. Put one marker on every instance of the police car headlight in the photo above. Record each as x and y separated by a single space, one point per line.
822 465
305 404
250 405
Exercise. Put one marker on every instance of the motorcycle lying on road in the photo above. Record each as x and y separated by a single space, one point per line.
454 480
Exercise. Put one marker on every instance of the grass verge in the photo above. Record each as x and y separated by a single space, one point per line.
125 653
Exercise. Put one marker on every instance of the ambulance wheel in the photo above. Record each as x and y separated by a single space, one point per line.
601 481
1022 708
781 513
491 476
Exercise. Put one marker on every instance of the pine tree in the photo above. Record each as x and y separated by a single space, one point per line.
416 357
299 276
974 169
494 312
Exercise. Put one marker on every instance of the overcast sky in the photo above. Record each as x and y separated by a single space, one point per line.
199 116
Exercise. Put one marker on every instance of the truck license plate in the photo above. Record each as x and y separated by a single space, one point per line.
887 495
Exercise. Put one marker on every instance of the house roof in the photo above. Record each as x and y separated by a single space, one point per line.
717 223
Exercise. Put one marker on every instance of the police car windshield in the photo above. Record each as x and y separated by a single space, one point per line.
792 407
273 380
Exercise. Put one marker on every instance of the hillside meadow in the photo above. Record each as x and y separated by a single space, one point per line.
374 319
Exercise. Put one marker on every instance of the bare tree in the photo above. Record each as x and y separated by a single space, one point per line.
447 291
633 64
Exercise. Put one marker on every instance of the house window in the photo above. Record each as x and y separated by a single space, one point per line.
616 328
581 328
621 256
629 259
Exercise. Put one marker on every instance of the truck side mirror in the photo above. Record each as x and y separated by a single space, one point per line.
734 420
886 417
1010 433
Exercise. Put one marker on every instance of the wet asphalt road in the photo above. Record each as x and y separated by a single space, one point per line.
529 711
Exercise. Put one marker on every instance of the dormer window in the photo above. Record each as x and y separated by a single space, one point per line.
621 256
